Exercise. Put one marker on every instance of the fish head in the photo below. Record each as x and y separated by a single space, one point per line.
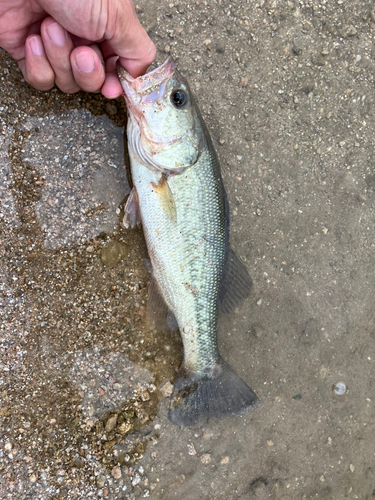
163 126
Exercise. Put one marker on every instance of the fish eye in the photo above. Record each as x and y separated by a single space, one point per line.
179 98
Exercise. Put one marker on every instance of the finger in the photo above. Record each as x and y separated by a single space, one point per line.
138 65
88 68
36 67
58 46
129 40
112 86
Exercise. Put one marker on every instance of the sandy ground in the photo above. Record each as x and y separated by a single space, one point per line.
287 91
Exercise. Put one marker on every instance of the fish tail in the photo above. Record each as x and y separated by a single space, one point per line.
223 393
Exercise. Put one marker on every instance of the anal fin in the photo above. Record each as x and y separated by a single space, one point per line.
156 307
158 314
236 284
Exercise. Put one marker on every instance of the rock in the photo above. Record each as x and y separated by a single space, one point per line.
205 458
297 48
307 86
191 449
145 396
111 423
348 31
220 48
136 480
166 389
244 81
100 481
116 472
124 427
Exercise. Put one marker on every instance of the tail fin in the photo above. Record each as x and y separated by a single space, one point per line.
196 398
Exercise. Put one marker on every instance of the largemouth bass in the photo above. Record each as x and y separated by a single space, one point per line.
179 198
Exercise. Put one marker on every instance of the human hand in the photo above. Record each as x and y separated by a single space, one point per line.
75 43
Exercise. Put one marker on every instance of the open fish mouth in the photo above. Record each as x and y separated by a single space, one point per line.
147 89
136 88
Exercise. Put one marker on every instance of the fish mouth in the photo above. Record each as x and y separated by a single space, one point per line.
152 84
147 90
135 88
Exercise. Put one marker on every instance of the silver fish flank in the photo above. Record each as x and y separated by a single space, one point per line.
179 198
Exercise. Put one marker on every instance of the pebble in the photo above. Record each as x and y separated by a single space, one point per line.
145 396
124 427
191 449
220 48
224 460
348 31
111 423
100 481
244 81
206 458
166 389
116 472
207 42
136 480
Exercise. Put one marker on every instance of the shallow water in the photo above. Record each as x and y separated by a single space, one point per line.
84 384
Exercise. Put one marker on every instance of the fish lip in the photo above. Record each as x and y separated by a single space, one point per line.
135 88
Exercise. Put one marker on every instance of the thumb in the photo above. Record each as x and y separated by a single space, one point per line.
128 39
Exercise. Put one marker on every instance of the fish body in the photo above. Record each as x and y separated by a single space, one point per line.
179 198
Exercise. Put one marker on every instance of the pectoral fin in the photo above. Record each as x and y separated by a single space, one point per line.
132 214
165 198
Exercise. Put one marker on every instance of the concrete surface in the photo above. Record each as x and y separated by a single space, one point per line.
287 90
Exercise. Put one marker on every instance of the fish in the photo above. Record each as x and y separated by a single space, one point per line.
178 197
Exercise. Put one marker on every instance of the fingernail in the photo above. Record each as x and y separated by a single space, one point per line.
85 62
56 33
36 46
